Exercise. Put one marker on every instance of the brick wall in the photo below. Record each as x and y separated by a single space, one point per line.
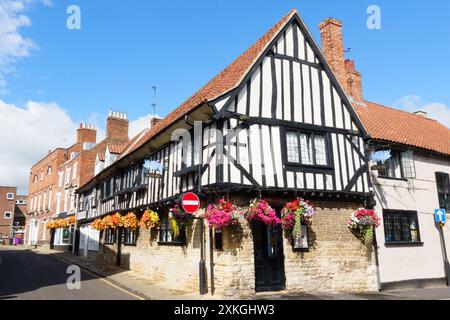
6 206
336 262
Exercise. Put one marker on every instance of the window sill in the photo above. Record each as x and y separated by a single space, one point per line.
404 244
307 168
173 244
391 178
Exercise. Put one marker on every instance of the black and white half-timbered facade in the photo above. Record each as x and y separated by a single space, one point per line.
274 124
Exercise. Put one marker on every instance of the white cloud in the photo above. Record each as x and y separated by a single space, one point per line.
140 124
27 134
13 45
435 110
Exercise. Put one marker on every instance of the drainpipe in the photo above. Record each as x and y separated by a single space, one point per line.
211 259
202 265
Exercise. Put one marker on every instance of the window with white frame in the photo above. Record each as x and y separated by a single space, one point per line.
7 215
58 202
45 200
75 169
50 199
60 178
49 170
399 166
10 196
309 149
66 200
39 201
68 175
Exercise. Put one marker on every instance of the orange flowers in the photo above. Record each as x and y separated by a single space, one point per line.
115 221
130 221
149 220
62 223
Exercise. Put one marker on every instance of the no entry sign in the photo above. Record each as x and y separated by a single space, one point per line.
190 202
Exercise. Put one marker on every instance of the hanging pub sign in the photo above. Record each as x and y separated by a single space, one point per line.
378 167
381 156
155 168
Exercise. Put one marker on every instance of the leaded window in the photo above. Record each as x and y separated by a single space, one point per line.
110 236
401 226
309 149
129 237
443 187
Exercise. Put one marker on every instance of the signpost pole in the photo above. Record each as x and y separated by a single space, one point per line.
440 219
444 255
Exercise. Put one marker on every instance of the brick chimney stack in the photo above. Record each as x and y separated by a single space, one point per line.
154 121
86 133
117 126
333 49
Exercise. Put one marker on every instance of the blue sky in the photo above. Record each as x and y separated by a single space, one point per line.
126 47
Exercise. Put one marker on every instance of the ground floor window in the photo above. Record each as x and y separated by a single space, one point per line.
167 234
63 237
401 226
110 236
129 237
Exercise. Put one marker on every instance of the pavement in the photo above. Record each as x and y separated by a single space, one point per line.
27 273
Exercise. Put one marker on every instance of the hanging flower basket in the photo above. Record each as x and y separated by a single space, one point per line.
149 220
62 223
260 210
222 215
51 224
363 223
296 213
98 224
178 213
130 221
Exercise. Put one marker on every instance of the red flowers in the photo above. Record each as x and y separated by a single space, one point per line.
296 213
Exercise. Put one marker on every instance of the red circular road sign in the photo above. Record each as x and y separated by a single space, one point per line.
190 202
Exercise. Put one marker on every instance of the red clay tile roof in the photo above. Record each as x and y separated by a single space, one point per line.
101 156
389 124
224 82
117 149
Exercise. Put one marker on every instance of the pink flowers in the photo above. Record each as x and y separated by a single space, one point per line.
364 218
261 211
222 215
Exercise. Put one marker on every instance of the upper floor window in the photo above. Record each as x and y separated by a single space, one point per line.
10 196
42 175
49 170
60 178
75 169
400 165
7 215
309 149
443 187
68 169
35 178
401 226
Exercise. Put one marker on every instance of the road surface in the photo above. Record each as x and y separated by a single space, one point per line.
27 275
